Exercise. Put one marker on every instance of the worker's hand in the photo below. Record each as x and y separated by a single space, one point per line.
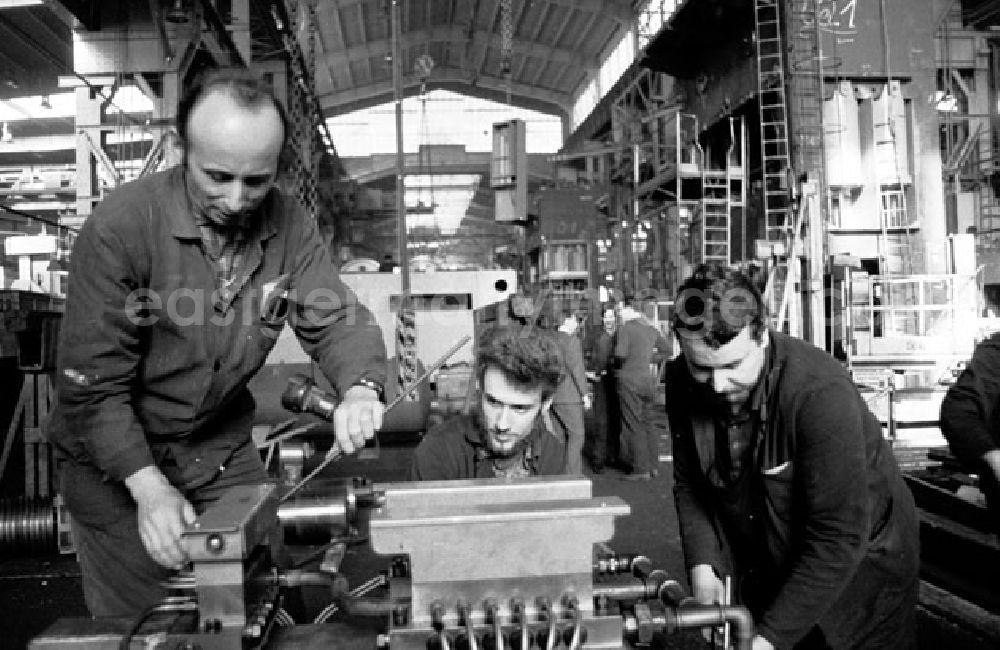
707 589
992 459
163 515
357 418
760 643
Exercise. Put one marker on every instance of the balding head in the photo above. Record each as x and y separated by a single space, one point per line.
233 134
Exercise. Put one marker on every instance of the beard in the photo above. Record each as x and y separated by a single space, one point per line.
706 399
500 444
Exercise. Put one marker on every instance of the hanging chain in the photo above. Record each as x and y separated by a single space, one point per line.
299 37
506 42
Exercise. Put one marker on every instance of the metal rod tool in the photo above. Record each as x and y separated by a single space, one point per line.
336 452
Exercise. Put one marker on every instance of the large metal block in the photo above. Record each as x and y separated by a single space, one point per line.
495 539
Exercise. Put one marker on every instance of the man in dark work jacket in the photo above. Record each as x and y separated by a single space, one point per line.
784 481
517 371
969 421
635 344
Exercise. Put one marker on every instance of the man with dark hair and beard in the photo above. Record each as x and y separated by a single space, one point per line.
783 480
182 281
518 368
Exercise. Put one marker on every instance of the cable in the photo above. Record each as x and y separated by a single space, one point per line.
169 604
360 590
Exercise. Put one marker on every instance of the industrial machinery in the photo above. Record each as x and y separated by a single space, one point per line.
477 563
485 563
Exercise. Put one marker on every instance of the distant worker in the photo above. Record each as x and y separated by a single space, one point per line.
783 481
181 283
601 445
388 264
970 414
572 397
517 371
637 341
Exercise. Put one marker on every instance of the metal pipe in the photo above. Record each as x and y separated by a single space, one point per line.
631 587
545 605
520 616
493 615
316 517
577 638
465 616
713 615
336 582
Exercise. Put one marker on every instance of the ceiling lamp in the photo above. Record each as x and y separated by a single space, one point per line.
178 13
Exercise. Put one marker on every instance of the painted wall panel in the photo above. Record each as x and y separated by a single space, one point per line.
842 139
853 34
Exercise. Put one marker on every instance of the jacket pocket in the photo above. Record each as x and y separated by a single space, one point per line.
778 487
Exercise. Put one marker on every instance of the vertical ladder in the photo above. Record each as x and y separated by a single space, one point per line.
775 159
773 108
736 167
715 211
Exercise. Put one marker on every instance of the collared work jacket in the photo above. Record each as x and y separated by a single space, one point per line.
456 449
154 352
836 538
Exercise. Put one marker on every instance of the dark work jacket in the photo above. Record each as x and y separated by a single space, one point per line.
970 417
456 449
635 344
837 538
573 385
154 357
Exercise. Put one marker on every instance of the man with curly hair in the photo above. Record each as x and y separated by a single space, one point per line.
517 371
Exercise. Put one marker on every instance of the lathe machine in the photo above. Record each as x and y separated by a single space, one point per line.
469 565
497 564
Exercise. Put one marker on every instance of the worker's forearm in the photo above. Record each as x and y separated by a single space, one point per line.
992 460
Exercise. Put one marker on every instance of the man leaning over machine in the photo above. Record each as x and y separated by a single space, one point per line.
182 281
783 481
